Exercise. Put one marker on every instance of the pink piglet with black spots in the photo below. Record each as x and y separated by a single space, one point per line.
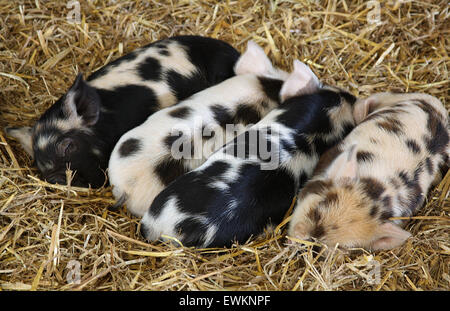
382 169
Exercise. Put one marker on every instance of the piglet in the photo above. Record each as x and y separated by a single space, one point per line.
383 169
175 140
250 182
80 130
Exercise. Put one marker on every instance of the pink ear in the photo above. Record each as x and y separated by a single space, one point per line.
253 61
389 236
362 109
301 81
345 166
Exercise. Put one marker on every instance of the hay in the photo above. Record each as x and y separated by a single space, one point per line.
49 232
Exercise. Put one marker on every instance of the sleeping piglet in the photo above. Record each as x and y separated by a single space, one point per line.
383 169
250 182
80 130
175 140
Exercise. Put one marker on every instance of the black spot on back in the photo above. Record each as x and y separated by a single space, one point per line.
413 146
180 112
150 69
221 115
364 156
246 114
372 187
185 86
390 125
271 87
169 169
129 147
171 138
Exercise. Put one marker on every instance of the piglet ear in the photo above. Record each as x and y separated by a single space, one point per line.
345 167
362 109
254 60
301 81
83 101
23 135
389 236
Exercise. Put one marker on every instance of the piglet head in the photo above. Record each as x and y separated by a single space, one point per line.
63 138
336 209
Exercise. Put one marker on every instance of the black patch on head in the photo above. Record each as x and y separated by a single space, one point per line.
128 106
180 112
314 215
314 187
385 215
330 198
364 156
221 115
373 210
150 69
271 87
348 97
308 114
130 146
168 169
318 232
246 114
413 146
189 228
372 187
387 202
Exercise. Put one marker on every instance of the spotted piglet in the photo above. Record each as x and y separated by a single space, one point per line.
80 130
383 169
177 139
251 181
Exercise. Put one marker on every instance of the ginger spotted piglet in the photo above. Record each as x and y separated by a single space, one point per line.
384 168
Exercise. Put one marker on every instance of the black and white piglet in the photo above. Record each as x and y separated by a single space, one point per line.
82 127
382 169
175 140
251 182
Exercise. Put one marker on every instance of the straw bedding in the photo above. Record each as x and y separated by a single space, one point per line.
49 233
